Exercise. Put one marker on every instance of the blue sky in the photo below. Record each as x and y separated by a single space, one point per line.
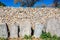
38 3
10 3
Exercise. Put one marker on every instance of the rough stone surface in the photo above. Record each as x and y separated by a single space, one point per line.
38 29
3 30
53 26
13 28
12 15
25 28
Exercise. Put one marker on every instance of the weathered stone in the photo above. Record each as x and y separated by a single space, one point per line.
38 29
25 28
3 30
13 28
11 15
53 26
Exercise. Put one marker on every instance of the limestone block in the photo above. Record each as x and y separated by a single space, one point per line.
53 26
13 28
3 30
25 28
38 29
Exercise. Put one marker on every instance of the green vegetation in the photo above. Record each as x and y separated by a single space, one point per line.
1 4
44 36
47 36
2 38
58 6
27 37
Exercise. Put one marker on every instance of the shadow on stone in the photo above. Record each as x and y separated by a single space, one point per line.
18 31
8 30
32 32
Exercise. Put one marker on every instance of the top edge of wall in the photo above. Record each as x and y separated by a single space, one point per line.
30 7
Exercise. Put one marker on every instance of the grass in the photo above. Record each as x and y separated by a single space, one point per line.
3 38
27 37
44 36
47 36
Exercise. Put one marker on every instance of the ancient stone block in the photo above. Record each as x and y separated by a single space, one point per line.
53 26
3 30
25 28
13 28
38 29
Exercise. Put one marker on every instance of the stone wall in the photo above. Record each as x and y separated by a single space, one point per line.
47 19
